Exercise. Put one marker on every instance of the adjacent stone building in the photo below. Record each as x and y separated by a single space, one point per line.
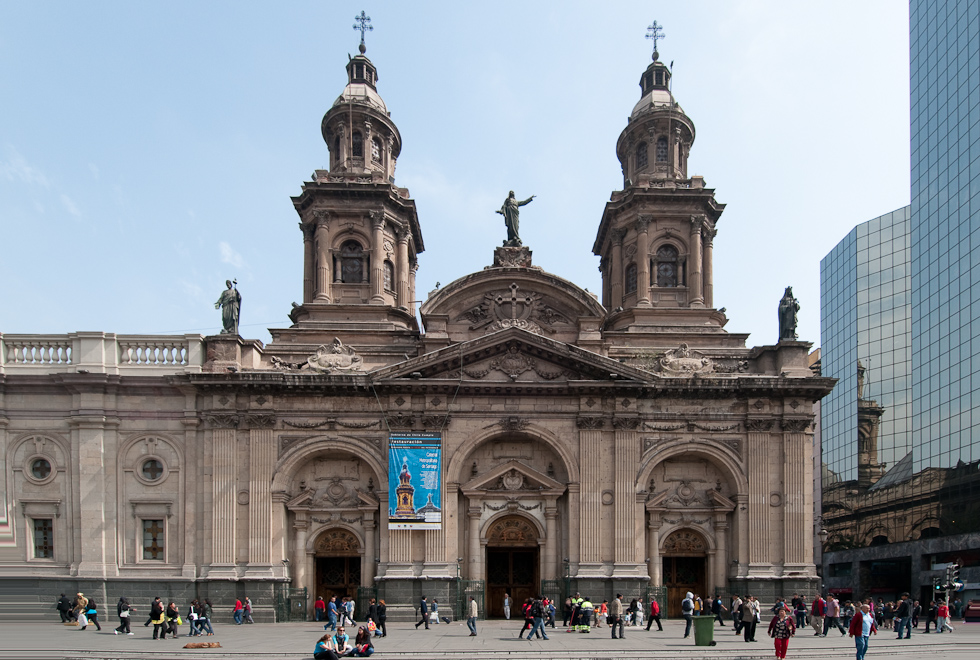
600 445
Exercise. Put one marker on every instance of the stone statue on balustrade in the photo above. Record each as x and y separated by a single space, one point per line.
230 304
512 215
788 307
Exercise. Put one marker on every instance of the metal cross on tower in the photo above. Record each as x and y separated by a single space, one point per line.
655 32
364 20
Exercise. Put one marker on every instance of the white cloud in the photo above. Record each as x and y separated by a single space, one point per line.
70 205
229 256
16 168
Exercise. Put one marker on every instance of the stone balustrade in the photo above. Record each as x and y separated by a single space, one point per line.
101 352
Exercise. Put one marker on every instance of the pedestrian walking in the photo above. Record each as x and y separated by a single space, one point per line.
903 617
507 603
124 611
64 608
716 608
319 608
817 612
238 611
615 616
248 610
424 613
654 615
207 613
158 619
92 614
781 628
471 614
173 621
537 619
942 618
750 611
863 625
687 611
382 617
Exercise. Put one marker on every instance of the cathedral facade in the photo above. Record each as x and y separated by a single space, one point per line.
530 436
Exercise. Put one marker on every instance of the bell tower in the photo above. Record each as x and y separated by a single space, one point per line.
655 237
361 234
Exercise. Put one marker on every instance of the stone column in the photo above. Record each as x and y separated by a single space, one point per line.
224 502
797 524
554 543
574 529
279 540
694 263
643 261
89 436
742 515
323 264
475 548
309 262
721 544
262 463
413 269
377 258
653 548
590 451
617 267
627 457
401 268
435 552
6 524
758 464
301 527
369 565
708 284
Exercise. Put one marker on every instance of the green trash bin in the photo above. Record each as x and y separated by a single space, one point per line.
704 630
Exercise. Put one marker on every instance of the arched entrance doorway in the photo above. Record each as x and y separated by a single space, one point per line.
685 554
512 563
338 564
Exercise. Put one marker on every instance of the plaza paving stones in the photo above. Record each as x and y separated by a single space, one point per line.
497 640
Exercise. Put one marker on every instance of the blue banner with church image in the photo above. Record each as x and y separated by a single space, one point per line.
415 480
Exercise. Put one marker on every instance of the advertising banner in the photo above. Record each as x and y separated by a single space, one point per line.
415 480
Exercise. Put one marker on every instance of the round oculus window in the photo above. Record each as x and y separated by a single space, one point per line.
152 469
40 468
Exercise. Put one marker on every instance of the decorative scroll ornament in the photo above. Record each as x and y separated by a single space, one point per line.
512 531
222 420
796 425
513 423
626 423
259 420
683 362
685 541
337 542
335 357
589 423
758 425
514 363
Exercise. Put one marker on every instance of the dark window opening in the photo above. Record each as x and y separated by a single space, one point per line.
40 468
389 276
152 469
631 278
351 263
153 539
667 266
641 155
357 145
662 150
43 538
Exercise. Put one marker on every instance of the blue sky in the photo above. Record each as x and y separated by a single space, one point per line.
148 151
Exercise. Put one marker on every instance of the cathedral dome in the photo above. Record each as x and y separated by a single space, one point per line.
655 100
359 92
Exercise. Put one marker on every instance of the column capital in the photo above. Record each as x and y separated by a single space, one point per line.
697 222
643 222
321 218
617 235
377 219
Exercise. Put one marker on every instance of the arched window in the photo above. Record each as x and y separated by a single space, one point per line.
336 149
357 146
641 155
631 278
662 150
376 150
389 276
881 539
351 262
667 266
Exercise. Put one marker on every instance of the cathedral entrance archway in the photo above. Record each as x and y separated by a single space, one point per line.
512 563
685 559
338 564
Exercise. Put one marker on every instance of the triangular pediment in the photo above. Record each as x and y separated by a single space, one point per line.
512 355
512 476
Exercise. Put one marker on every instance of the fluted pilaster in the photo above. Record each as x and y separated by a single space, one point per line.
262 463
225 478
758 465
590 533
627 457
797 512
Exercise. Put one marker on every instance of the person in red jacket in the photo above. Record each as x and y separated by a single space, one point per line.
816 615
781 628
654 615
862 627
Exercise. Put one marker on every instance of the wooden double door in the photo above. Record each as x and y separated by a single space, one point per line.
337 576
511 571
680 575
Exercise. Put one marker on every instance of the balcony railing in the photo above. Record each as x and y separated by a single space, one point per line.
101 352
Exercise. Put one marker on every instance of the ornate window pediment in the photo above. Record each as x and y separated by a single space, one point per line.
337 543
